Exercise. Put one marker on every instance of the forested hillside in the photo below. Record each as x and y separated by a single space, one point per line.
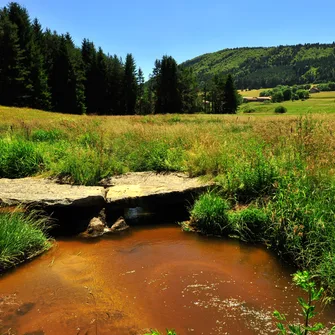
269 67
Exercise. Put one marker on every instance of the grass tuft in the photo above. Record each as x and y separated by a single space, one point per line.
22 236
209 214
19 159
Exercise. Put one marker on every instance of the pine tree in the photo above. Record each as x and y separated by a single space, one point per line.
19 16
115 85
101 82
188 89
68 91
12 72
231 97
130 85
168 98
217 94
140 96
41 95
89 56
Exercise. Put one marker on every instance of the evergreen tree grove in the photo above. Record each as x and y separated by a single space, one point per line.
45 70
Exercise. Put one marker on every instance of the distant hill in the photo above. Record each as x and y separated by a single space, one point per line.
269 67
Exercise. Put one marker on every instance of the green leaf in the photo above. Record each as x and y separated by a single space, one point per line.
279 316
317 295
296 329
303 303
282 329
316 327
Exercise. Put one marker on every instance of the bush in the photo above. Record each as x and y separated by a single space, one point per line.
280 109
266 93
209 214
248 110
303 94
277 96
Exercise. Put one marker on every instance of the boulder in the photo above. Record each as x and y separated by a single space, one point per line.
119 225
96 226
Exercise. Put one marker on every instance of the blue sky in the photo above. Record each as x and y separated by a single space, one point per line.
185 29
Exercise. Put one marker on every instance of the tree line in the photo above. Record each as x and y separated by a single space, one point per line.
45 70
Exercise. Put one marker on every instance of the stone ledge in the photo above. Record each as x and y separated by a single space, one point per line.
129 189
138 186
45 192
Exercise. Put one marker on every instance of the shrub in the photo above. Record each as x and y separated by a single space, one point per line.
303 94
280 109
277 96
209 214
248 110
266 93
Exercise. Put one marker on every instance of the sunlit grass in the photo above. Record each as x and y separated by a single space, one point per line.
22 236
318 103
275 172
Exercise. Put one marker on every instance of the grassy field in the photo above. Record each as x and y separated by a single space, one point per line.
275 173
321 103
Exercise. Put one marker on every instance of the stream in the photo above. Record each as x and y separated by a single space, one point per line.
150 277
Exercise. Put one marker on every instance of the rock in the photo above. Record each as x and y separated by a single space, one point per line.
25 308
102 216
97 226
45 192
133 189
119 225
138 189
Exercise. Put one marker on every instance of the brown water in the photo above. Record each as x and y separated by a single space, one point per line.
151 277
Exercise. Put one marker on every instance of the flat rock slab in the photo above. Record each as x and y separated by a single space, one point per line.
45 192
129 188
140 185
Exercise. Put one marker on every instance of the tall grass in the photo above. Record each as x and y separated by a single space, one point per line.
275 173
210 214
19 159
22 236
296 220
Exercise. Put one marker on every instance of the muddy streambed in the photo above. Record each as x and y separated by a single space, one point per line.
155 277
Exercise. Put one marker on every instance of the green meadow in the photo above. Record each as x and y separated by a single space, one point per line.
274 173
318 103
